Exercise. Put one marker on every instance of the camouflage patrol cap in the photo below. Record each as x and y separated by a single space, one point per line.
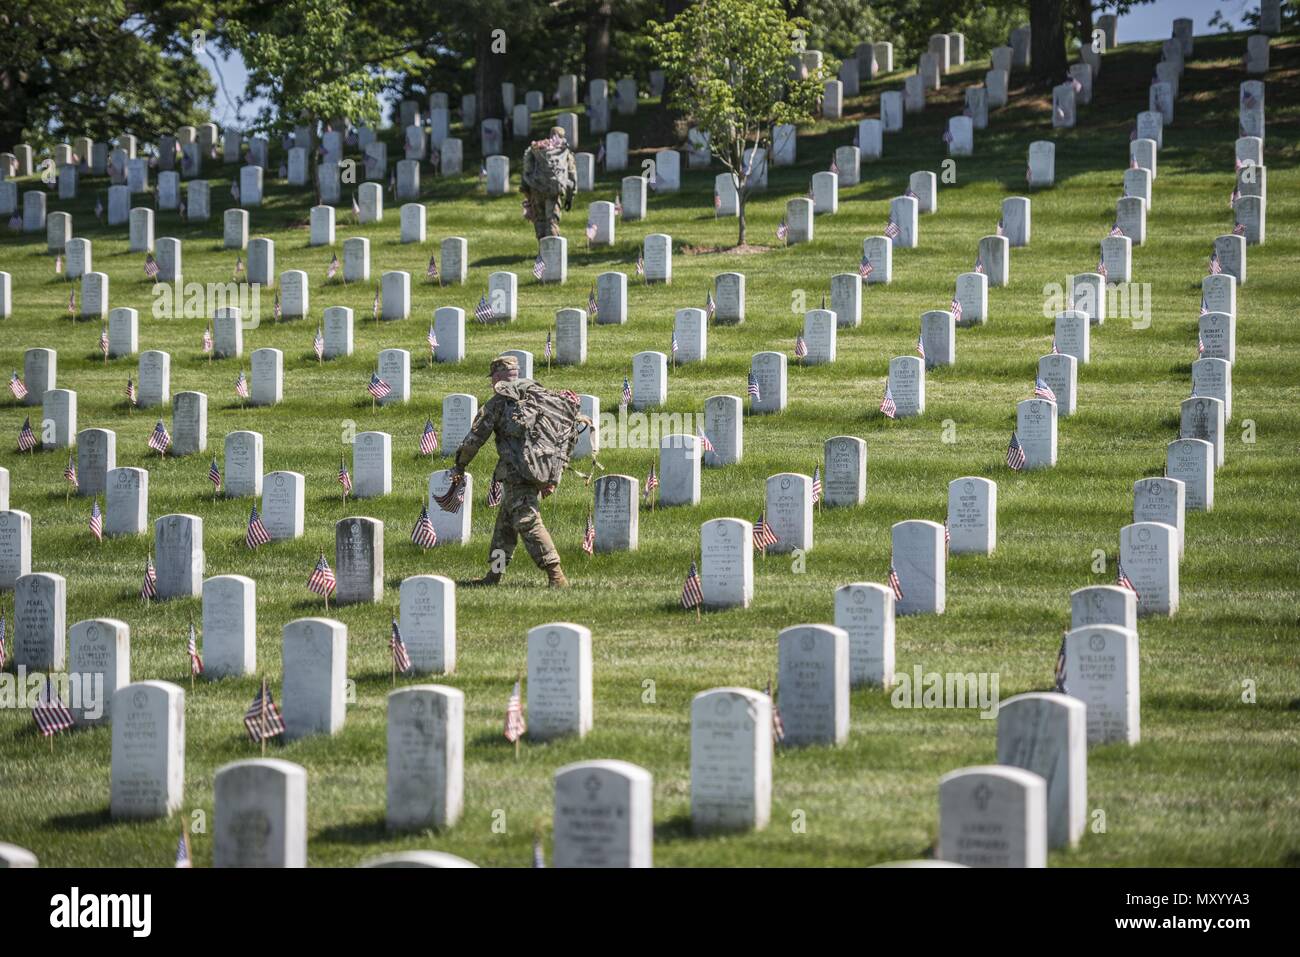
508 364
558 131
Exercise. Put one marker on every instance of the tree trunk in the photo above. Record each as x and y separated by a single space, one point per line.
489 71
740 214
1047 63
598 40
1085 23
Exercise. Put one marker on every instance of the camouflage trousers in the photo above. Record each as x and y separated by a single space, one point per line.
546 219
519 516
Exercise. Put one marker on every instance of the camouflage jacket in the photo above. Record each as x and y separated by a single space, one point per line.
489 421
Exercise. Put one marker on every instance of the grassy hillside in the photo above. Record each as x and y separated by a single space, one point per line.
1213 780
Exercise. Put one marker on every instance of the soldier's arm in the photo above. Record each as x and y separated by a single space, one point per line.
479 432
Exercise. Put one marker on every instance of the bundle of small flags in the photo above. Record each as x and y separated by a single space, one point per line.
452 499
423 534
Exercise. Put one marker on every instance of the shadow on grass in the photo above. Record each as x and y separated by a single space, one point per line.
357 832
82 821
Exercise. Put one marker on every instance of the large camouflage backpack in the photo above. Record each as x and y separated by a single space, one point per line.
547 168
541 429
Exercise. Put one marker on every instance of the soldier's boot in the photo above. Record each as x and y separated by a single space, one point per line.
491 578
555 577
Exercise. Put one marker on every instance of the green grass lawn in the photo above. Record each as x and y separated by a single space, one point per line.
1213 780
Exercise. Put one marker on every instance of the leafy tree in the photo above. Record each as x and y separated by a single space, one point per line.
72 68
308 60
727 63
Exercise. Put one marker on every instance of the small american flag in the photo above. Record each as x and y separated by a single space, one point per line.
1055 350
593 306
58 265
103 340
1115 230
591 231
149 588
979 264
99 208
1101 268
778 725
16 386
887 405
374 304
432 338
539 267
835 167
377 387
241 385
495 493
345 479
546 351
1076 83
651 483
322 578
72 302
764 537
1123 581
150 266
627 391
15 223
432 271
96 522
865 268
1060 666
1132 161
704 443
318 344
920 346
130 391
1205 306
401 659
1132 134
640 264
717 202
600 154
1200 344
428 438
333 269
482 312
955 308
892 230
1042 390
422 533
262 719
183 850
256 535
751 387
800 346
49 712
70 473
515 726
214 475
192 649
1239 229
589 536
817 484
207 339
894 583
234 191
692 590
26 437
782 230
710 307
1002 229
276 308
947 136
1215 266
1015 453
618 207
673 345
947 536
160 439
452 499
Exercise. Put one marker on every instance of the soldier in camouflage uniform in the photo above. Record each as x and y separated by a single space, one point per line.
519 515
548 182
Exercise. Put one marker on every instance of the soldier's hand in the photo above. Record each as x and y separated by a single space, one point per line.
548 489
